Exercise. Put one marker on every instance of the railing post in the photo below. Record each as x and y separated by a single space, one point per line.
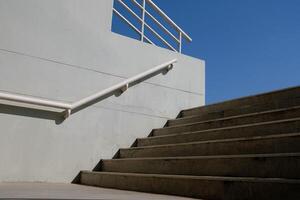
180 41
143 20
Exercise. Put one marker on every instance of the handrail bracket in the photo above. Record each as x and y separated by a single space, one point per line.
67 113
170 67
124 88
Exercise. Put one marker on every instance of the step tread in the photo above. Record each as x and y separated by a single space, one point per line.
233 117
224 128
246 97
243 125
212 178
273 155
218 141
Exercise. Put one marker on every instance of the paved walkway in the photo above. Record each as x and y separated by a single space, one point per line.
72 191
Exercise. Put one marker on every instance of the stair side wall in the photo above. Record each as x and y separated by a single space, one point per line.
65 50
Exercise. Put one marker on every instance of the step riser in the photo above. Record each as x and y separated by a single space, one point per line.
249 131
280 99
202 126
198 188
269 167
285 114
271 145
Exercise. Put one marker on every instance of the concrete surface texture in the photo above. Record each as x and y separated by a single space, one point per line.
65 50
72 191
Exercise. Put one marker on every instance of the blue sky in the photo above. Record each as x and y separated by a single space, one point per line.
250 46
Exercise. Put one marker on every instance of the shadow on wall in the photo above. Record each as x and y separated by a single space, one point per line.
31 112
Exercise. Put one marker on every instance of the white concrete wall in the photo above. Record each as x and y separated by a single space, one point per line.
64 50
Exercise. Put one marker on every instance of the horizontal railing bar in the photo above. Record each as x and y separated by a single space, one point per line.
168 19
33 100
132 26
138 4
160 37
127 21
71 107
162 26
122 84
156 21
130 10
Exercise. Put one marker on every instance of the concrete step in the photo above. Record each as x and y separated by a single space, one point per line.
249 130
284 143
270 115
271 100
206 187
207 126
242 109
284 165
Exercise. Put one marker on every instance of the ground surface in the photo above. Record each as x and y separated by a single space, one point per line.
72 191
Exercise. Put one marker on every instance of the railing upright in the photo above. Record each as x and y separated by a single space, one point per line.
143 20
180 42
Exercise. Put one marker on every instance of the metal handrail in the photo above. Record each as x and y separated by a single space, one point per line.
145 24
75 106
181 33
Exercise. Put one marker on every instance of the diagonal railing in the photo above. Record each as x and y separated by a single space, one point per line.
144 25
71 108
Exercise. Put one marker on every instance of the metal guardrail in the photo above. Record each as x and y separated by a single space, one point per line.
178 39
75 106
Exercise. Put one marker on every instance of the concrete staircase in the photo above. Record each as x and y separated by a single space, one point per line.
248 148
